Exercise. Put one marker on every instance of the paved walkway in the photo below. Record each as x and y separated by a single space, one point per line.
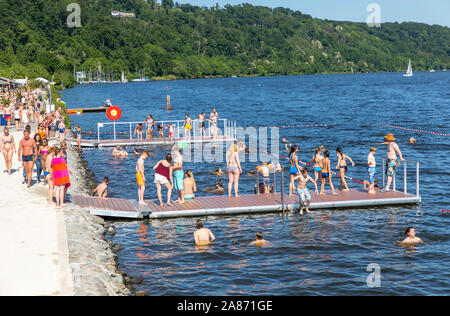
33 245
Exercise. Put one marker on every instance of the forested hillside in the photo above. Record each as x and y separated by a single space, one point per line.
190 42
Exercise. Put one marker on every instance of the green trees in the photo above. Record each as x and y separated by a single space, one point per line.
191 42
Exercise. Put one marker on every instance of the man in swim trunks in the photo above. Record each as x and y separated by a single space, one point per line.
27 147
140 176
302 189
391 162
178 175
203 236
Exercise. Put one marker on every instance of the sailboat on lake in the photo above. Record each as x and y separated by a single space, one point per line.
409 72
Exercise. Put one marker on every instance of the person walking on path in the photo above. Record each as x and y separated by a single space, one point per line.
61 178
27 147
164 176
234 169
392 161
8 148
140 176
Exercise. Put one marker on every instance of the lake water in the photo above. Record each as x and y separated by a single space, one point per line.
325 253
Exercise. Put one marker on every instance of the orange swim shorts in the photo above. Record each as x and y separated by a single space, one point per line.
140 179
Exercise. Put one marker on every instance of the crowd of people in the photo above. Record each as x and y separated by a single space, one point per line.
33 150
150 126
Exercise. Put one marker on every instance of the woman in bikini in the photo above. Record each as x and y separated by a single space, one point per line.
61 131
45 149
342 166
294 168
234 169
187 127
139 131
150 123
190 187
317 161
8 148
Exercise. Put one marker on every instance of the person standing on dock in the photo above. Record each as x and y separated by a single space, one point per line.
139 131
163 176
203 236
326 173
234 169
371 168
201 123
391 162
150 123
294 168
302 189
342 167
27 147
214 118
140 176
187 127
178 175
78 133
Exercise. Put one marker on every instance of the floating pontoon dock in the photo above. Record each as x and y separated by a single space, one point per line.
246 204
122 134
87 110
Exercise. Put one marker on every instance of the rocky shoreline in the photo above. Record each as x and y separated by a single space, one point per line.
92 261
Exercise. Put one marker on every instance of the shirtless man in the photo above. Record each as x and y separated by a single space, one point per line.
203 236
392 161
140 176
27 147
302 189
201 124
102 188
8 148
259 241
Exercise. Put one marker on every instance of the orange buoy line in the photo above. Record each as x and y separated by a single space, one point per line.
415 130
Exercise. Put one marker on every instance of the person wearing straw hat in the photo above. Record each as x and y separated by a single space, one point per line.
391 162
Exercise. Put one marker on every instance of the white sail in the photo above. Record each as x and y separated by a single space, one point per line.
409 72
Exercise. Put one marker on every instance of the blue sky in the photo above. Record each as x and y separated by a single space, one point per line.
424 11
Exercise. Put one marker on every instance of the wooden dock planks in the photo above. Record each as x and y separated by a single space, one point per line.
222 205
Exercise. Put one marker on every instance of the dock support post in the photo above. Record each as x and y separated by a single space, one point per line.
257 182
417 179
131 133
275 182
114 130
282 190
384 171
405 183
98 132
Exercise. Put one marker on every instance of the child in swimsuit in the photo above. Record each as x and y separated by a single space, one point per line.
326 174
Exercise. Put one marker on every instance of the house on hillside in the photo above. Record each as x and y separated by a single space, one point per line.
122 14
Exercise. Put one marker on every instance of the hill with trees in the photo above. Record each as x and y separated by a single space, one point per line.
185 41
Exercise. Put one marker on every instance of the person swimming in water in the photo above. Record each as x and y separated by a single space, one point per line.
116 151
203 236
218 189
219 172
411 238
102 188
259 241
